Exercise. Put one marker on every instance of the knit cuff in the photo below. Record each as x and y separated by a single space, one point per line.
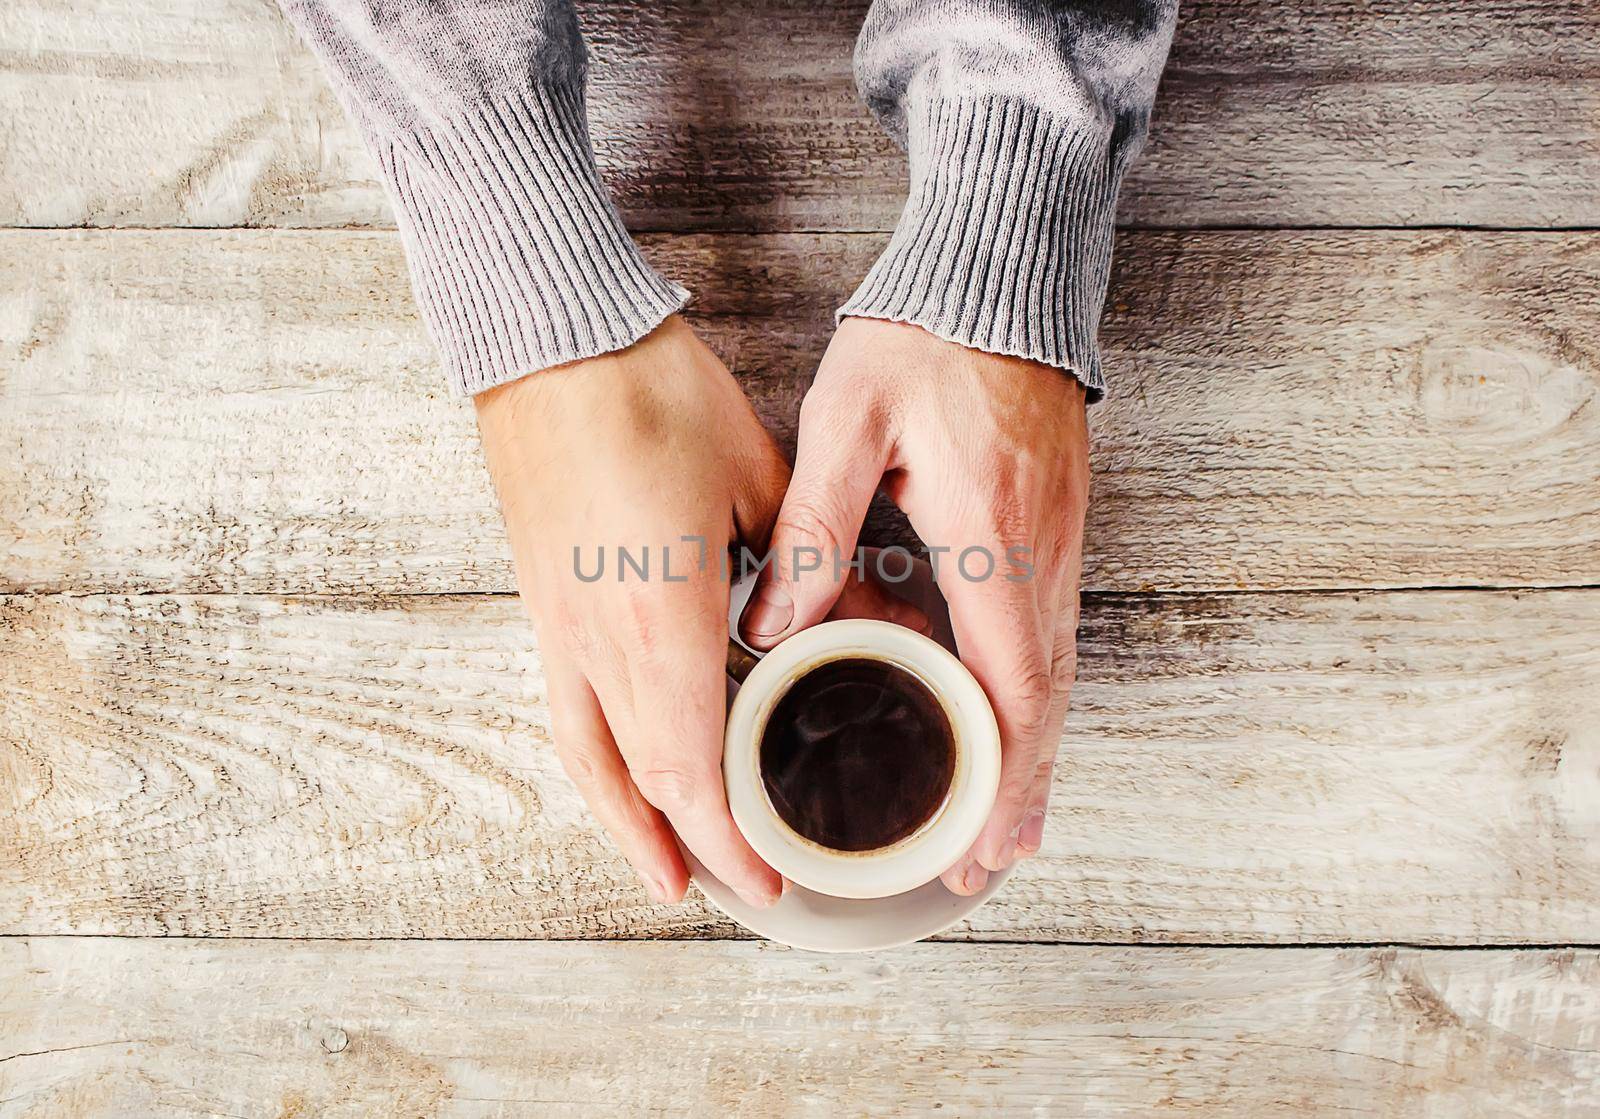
1005 242
519 260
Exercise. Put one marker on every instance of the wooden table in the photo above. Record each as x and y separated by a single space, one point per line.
280 830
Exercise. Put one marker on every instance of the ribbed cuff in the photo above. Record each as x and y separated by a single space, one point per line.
1005 242
518 257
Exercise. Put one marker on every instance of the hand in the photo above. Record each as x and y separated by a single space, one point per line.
638 448
981 451
641 448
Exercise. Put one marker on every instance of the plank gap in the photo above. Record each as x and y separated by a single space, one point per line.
1313 411
941 940
878 232
1362 768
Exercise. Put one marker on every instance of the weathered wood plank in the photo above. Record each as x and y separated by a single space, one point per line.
1405 766
472 1029
260 412
711 116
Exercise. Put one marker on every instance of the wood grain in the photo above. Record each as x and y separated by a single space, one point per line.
745 117
260 412
221 422
1408 766
473 1029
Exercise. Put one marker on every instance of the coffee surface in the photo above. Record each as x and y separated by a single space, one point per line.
857 755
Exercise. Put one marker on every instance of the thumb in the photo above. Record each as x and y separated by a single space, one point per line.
838 464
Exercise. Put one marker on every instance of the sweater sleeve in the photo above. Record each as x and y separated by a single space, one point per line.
475 111
1019 118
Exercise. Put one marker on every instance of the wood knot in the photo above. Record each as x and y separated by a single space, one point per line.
1505 397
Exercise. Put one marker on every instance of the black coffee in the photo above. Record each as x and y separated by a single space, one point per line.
857 754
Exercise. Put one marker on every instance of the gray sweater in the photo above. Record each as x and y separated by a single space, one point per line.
1019 117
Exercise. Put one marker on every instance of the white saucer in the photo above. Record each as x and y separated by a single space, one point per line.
817 922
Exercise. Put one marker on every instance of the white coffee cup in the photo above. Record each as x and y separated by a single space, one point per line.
924 854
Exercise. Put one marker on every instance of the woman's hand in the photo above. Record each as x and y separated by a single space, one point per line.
635 449
640 449
982 452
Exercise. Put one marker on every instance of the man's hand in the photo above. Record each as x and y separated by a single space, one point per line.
632 449
980 451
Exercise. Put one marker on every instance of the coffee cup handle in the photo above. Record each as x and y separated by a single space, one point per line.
741 661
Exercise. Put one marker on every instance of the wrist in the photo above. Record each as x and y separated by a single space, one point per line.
644 394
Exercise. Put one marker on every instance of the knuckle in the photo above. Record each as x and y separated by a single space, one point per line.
804 521
572 633
641 622
825 399
655 621
1064 672
1031 690
582 767
1045 768
803 524
843 411
1015 784
817 403
668 788
1071 617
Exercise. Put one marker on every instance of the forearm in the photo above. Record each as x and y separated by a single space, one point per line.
1020 118
476 114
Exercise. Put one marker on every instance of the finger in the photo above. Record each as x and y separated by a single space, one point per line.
1029 834
1031 697
967 875
1005 639
589 754
758 489
673 737
867 598
1016 825
840 458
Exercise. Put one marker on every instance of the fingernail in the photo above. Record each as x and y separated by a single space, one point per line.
769 612
758 900
975 879
1030 835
